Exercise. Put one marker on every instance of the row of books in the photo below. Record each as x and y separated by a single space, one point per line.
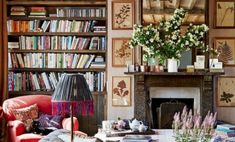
52 60
59 42
28 81
81 12
38 11
53 26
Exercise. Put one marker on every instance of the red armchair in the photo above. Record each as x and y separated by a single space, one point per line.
16 128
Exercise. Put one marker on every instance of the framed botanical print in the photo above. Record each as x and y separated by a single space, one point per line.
123 15
226 50
225 15
122 54
121 91
226 91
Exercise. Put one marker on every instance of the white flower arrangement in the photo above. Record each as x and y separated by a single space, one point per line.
166 41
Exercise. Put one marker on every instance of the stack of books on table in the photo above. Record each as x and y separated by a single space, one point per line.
137 138
225 130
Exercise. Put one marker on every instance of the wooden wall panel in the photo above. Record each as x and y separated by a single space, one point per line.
1 48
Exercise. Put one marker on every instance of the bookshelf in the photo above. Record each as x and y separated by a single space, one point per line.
48 38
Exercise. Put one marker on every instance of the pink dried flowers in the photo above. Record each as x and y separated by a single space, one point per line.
190 128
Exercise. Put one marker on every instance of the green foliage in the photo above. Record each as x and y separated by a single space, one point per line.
166 41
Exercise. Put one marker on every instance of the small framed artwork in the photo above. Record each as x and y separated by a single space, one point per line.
122 54
123 15
225 14
226 49
121 91
226 91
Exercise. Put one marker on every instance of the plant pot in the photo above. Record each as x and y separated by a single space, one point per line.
173 65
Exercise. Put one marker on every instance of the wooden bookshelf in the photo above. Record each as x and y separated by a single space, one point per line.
91 3
58 18
20 93
83 34
58 51
51 12
56 70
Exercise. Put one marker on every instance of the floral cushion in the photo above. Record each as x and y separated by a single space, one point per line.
27 114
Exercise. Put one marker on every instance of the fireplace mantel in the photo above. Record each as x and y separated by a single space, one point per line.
144 80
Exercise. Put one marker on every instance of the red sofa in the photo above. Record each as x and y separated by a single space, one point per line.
16 128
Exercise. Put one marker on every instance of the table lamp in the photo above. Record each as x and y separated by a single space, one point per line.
72 96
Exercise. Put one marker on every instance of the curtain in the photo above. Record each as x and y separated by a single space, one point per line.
3 55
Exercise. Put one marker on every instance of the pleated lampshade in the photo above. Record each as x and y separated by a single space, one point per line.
72 91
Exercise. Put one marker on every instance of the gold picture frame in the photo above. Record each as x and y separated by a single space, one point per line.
225 14
122 54
226 48
225 91
121 91
123 14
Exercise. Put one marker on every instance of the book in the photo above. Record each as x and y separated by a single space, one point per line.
226 126
225 133
137 138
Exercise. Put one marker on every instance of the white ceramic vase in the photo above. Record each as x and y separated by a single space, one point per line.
172 65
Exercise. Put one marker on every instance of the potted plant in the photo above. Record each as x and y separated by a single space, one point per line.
166 41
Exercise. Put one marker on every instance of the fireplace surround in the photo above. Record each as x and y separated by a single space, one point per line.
145 80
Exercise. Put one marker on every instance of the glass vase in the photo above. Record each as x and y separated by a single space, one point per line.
152 62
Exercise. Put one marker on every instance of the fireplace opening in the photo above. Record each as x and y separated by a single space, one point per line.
163 110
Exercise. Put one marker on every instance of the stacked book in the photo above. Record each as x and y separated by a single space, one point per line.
38 12
99 29
18 11
225 130
137 138
13 45
98 63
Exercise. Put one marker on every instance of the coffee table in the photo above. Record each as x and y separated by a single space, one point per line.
162 135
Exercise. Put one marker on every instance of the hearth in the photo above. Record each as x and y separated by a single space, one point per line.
163 110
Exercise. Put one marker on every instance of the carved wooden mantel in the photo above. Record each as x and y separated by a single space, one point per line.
145 80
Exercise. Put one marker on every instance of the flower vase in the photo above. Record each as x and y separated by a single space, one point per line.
152 62
172 65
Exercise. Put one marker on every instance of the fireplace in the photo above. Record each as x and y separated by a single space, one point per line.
200 86
165 101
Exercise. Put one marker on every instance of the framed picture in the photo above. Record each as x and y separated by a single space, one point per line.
122 54
226 91
121 91
226 49
123 15
225 15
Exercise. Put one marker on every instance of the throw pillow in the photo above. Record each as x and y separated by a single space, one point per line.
27 114
46 120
